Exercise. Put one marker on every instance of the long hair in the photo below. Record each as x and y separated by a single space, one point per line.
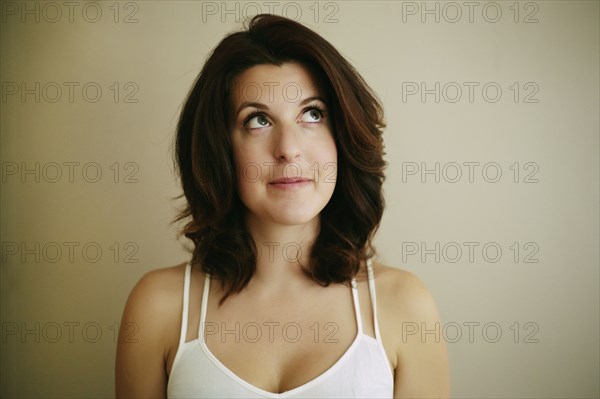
223 247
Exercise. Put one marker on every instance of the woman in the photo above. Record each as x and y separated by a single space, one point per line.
279 150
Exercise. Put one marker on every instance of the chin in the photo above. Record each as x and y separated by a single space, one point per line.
294 216
293 219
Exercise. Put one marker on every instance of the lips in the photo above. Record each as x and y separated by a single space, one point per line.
290 180
289 184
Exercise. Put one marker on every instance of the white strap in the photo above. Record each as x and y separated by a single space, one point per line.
204 305
356 306
186 301
373 297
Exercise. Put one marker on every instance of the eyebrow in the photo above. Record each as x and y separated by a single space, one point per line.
264 106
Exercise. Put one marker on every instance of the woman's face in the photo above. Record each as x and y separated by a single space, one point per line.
282 144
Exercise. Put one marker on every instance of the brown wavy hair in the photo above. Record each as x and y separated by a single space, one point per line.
223 247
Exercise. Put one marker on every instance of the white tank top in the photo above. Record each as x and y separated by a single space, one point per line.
363 371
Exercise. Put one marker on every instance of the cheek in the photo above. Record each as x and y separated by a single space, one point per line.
248 170
326 158
247 152
326 152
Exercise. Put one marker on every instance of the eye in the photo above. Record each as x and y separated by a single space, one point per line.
256 120
313 114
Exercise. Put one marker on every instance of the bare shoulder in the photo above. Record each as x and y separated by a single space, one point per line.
403 293
149 327
407 309
161 280
154 305
158 289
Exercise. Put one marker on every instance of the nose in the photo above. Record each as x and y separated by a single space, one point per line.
288 142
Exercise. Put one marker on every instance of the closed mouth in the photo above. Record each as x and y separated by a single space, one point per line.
288 180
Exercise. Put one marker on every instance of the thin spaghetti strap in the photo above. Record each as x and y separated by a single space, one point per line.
204 305
186 301
373 298
356 306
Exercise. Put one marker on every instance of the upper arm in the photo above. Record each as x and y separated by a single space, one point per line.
143 339
422 369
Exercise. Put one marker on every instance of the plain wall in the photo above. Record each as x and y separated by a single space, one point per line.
87 176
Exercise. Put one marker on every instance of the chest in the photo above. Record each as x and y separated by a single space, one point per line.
280 346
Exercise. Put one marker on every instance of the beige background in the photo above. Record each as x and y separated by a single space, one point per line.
69 302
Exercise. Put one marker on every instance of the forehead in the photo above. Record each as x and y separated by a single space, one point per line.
270 83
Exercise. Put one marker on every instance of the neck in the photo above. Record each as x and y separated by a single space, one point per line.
281 249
